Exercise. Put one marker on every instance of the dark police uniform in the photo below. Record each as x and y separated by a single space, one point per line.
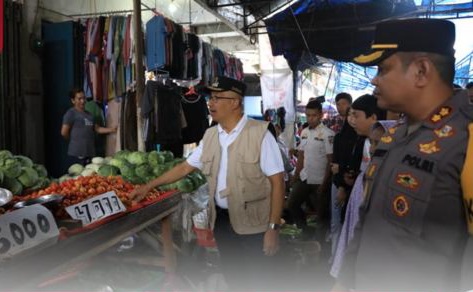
414 231
414 228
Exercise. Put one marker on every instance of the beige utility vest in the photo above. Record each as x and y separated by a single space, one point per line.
248 190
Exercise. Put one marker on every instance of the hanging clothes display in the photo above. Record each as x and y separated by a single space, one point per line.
155 43
192 55
196 113
161 107
113 120
177 59
184 55
128 123
109 73
108 65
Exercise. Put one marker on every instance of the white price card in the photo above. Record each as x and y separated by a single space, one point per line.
25 229
96 208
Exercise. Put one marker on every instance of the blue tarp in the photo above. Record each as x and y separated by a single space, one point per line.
338 29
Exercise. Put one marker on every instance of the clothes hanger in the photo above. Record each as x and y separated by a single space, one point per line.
191 91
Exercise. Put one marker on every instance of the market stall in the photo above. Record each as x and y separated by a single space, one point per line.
48 228
37 266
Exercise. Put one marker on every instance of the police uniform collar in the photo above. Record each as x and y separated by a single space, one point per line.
443 113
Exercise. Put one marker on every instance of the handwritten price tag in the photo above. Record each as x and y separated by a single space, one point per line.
96 208
26 229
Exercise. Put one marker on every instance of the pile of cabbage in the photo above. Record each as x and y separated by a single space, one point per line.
137 168
19 174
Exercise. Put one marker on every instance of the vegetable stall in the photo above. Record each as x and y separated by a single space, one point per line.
49 225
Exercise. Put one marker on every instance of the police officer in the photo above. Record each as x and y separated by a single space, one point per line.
414 231
244 168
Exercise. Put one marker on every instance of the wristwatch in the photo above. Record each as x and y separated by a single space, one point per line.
274 226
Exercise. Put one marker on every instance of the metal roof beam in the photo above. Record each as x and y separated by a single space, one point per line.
243 3
222 18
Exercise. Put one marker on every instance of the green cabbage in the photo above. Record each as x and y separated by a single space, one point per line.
138 158
98 160
1 177
185 185
167 187
41 170
87 172
107 170
123 154
143 171
24 161
201 177
11 168
194 178
13 185
159 170
93 166
155 158
134 179
28 177
118 162
107 159
168 156
4 155
127 170
75 169
40 184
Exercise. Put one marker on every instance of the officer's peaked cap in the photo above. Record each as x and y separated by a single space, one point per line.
410 35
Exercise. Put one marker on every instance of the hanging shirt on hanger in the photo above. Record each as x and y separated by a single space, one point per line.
196 113
155 43
162 104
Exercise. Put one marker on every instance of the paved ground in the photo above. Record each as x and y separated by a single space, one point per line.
303 264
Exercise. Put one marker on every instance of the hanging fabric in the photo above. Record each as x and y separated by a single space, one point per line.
196 113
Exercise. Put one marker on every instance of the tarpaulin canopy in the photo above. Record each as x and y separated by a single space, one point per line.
335 29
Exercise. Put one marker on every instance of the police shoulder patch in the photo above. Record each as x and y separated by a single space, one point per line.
400 205
444 132
407 180
386 139
429 148
441 113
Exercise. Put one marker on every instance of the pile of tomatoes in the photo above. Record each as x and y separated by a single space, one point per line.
84 187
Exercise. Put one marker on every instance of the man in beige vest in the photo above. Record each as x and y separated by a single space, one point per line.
244 168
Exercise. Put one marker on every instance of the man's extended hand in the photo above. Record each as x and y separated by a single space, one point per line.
271 242
139 193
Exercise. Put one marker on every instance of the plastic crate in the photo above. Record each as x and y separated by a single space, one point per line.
205 237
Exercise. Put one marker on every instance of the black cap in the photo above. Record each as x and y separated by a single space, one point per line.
410 35
222 83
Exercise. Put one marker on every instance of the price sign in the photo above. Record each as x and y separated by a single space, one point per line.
25 229
96 208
